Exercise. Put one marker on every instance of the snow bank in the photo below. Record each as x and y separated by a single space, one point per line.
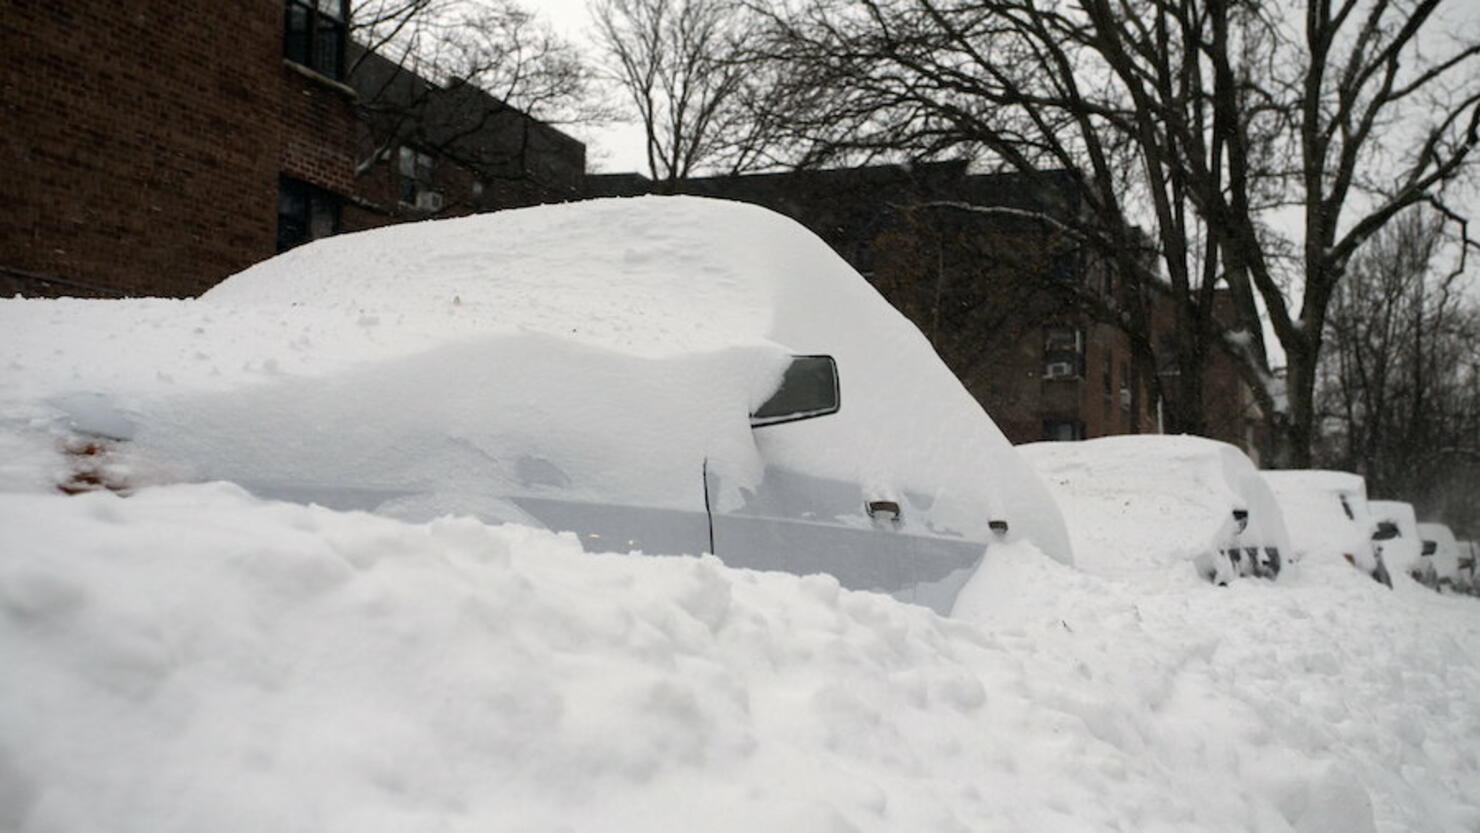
192 658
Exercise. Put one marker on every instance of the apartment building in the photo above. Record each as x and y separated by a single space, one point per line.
156 148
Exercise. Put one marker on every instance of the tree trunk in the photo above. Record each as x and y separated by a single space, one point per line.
1298 428
1184 409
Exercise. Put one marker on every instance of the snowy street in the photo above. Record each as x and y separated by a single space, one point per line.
193 658
740 416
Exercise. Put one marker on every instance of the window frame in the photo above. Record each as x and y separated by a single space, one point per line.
317 20
315 201
422 177
1075 430
1057 351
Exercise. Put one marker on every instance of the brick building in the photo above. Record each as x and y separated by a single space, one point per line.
992 291
428 149
156 148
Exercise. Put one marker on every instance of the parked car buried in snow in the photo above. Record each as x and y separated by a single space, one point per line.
1165 499
669 375
1445 556
1397 539
1327 516
1469 553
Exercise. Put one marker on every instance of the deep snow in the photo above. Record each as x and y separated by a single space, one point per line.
192 658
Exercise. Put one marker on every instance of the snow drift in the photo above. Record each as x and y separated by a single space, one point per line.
192 658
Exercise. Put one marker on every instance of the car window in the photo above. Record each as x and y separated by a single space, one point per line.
809 388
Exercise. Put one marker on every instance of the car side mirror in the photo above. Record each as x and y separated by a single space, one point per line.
1386 531
1241 519
1430 547
809 388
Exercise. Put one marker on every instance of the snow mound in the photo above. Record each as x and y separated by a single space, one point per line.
192 658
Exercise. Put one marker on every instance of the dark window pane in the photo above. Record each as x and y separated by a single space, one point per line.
809 388
324 218
326 47
295 33
304 213
1063 430
291 200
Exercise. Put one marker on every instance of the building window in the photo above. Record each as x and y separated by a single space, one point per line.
304 213
313 35
1063 430
1063 353
1125 386
416 170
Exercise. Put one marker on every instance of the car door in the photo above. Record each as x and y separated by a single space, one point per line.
869 538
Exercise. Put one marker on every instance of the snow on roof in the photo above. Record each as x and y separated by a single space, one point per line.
651 276
1318 480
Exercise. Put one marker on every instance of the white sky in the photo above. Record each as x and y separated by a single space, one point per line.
612 148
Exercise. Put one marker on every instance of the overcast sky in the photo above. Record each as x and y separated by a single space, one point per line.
613 148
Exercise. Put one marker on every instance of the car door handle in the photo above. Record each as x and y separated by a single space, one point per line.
884 507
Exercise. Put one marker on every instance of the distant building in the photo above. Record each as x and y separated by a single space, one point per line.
426 149
992 291
155 149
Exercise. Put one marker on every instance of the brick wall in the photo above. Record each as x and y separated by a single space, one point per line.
144 142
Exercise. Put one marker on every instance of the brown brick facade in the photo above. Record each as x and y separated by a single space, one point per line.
144 142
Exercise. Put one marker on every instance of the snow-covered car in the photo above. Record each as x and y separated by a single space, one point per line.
1444 555
669 375
1327 516
1469 553
1396 536
1164 500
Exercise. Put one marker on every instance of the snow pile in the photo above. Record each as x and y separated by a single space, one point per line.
192 658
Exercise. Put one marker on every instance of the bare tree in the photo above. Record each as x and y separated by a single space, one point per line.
1399 390
465 81
681 66
1206 119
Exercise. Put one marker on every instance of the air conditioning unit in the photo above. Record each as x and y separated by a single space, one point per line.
1059 370
429 201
